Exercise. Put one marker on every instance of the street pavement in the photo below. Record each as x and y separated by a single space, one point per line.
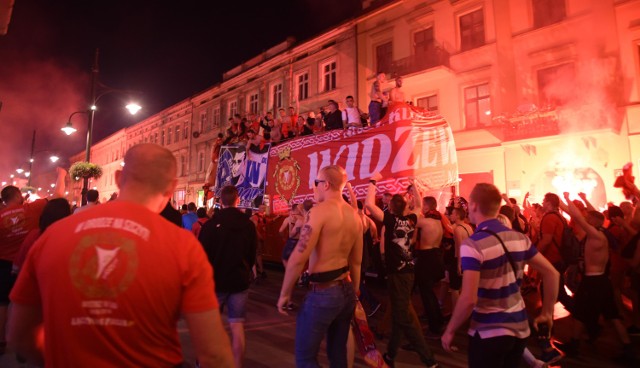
270 335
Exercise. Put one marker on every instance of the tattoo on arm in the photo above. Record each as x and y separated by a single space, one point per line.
305 234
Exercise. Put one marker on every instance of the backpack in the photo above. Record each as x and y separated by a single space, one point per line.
570 246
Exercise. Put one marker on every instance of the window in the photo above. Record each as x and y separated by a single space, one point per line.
551 82
328 76
233 108
200 161
423 42
429 103
471 30
303 86
477 106
186 129
203 121
169 136
384 56
155 138
253 103
183 165
276 96
216 117
546 12
162 138
177 133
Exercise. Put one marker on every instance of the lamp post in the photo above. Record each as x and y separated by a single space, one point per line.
69 129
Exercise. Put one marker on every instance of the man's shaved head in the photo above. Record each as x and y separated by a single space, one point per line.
335 176
149 166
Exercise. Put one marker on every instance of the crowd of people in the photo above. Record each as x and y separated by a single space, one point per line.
125 282
284 124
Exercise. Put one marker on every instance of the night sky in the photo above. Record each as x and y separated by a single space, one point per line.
167 50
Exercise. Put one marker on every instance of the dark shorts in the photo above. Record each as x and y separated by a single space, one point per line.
455 279
289 246
375 111
593 298
6 281
236 304
430 264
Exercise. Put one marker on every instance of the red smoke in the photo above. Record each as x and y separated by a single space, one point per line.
38 94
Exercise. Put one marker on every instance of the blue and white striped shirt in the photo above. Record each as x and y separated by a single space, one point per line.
500 309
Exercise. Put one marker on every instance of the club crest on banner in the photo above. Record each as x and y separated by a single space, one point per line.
287 175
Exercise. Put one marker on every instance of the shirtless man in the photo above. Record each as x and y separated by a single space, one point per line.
331 240
429 263
461 231
595 293
294 222
396 94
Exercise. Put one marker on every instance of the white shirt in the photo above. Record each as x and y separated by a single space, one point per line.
351 115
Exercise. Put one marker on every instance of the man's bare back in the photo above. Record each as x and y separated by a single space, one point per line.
430 233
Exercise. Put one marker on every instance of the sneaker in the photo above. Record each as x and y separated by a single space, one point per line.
633 330
374 310
388 359
551 356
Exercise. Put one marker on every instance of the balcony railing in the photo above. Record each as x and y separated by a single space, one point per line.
430 58
531 125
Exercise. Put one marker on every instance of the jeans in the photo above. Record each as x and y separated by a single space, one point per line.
399 287
495 352
429 270
325 312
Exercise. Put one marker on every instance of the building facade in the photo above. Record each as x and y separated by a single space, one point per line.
542 95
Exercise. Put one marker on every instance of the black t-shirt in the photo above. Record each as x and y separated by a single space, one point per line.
398 232
333 121
230 240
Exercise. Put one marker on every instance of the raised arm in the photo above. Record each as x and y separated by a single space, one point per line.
60 188
506 199
352 196
370 200
586 202
575 214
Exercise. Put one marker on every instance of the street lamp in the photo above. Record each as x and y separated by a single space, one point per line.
95 96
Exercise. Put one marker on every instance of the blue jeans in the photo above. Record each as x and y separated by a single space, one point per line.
325 312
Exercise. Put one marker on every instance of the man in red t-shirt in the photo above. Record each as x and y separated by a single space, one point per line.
110 284
17 219
551 228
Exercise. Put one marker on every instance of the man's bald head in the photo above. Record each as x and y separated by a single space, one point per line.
149 166
335 176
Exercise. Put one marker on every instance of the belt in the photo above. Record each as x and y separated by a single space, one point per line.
317 286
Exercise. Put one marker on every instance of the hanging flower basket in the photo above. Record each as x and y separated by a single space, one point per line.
28 189
81 170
